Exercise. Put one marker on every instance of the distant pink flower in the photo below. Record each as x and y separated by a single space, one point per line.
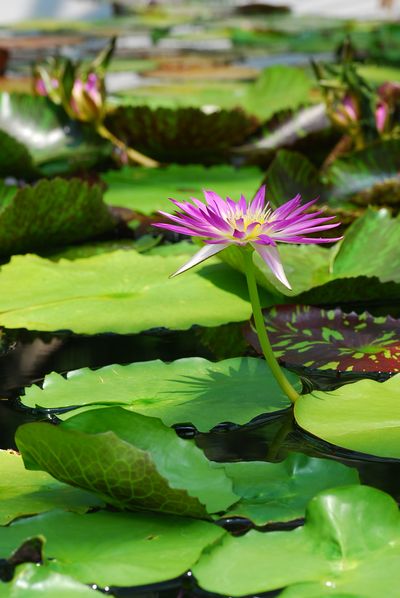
225 222
381 116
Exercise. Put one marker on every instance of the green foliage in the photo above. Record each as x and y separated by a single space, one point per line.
51 213
25 492
31 581
349 544
52 142
277 88
114 549
159 471
291 173
184 135
364 416
148 191
280 491
121 291
187 390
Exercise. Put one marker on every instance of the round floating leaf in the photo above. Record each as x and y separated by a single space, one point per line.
115 549
31 581
280 491
158 471
364 416
148 191
187 390
331 339
121 291
269 94
350 544
56 143
25 492
182 135
52 213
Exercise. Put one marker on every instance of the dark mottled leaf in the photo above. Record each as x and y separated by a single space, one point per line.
302 335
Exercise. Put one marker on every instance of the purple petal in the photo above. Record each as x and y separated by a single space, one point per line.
203 254
271 257
259 200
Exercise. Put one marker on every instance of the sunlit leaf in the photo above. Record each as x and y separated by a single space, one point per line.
115 549
349 544
130 460
25 492
363 416
187 390
280 491
31 581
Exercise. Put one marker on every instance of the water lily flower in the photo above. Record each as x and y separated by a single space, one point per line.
222 223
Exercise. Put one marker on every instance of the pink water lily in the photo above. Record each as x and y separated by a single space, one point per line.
222 223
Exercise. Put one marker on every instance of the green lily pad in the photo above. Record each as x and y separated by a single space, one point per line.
364 416
25 492
187 390
56 143
349 544
302 335
346 272
368 176
274 492
182 135
51 213
121 291
148 191
269 93
30 581
159 471
115 549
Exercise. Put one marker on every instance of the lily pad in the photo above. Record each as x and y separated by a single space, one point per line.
346 272
148 191
274 492
302 335
131 461
56 144
349 544
269 93
150 548
120 291
182 135
187 390
51 213
364 416
30 581
25 492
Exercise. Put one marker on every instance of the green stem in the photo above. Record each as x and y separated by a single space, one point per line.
132 154
261 330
